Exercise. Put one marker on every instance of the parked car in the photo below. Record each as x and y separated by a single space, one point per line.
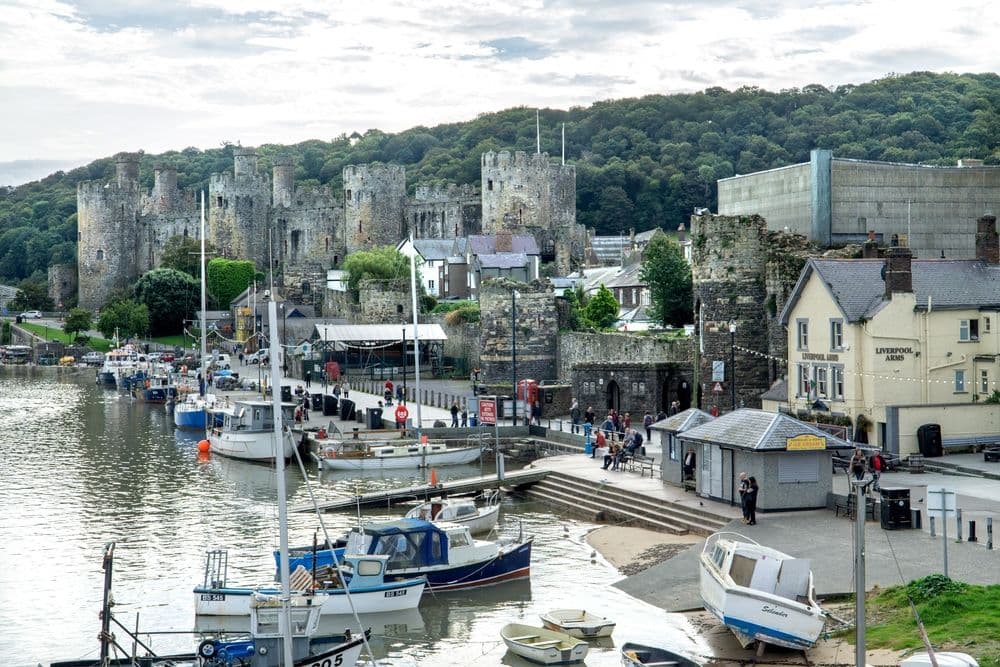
31 315
260 356
93 358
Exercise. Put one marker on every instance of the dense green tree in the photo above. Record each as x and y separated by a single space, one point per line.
78 320
183 253
31 295
383 263
227 278
601 311
170 297
126 318
668 275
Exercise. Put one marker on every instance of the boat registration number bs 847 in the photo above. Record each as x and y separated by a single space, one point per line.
395 594
213 597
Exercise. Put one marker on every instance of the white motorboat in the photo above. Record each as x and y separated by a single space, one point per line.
120 363
547 647
364 575
247 432
392 455
578 623
463 511
759 593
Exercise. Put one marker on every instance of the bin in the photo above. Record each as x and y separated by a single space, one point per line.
346 409
375 418
286 393
317 402
896 508
929 438
329 405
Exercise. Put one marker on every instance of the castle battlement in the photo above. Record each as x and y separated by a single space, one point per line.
519 160
445 192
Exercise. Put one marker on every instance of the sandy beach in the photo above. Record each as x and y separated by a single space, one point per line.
633 550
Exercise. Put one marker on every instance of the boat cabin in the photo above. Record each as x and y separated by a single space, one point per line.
256 416
414 543
747 566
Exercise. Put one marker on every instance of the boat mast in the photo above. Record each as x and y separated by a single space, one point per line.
859 571
204 344
284 620
416 333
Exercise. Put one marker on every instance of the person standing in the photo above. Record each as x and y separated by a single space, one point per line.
465 417
401 414
589 415
308 377
751 501
536 413
858 464
877 465
647 422
744 487
454 414
347 388
574 415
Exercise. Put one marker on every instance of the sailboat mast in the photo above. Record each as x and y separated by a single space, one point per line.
284 622
204 344
416 333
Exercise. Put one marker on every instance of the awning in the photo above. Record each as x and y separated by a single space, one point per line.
376 333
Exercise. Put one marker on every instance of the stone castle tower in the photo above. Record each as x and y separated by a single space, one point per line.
374 205
526 194
238 211
537 323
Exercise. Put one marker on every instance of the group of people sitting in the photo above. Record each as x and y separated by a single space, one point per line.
618 453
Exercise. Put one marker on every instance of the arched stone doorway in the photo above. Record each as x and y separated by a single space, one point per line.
614 395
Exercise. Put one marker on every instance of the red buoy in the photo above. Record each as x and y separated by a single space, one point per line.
203 446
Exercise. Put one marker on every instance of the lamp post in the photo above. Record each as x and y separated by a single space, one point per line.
513 352
732 361
404 362
284 341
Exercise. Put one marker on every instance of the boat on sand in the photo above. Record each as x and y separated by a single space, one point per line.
544 646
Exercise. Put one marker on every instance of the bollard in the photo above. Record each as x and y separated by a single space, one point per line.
932 526
958 524
972 531
989 533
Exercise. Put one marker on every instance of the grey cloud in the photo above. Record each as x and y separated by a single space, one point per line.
515 48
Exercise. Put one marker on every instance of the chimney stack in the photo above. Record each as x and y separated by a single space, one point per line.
505 242
987 243
898 272
870 248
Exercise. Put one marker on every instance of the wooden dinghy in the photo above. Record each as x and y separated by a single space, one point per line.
578 623
541 645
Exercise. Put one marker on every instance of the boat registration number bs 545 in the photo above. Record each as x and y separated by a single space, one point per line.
395 594
213 597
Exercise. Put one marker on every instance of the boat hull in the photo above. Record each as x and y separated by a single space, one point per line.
249 446
236 601
546 647
456 456
187 418
638 655
578 624
483 521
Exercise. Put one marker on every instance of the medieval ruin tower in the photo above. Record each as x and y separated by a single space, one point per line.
526 194
374 205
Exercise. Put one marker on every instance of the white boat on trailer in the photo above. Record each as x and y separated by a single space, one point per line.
544 646
462 511
578 623
759 593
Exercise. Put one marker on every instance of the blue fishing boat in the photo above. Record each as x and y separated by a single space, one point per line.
445 553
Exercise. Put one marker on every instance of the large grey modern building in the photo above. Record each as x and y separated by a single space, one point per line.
834 201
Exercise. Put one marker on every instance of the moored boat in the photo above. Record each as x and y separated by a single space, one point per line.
120 363
639 655
155 388
247 432
393 455
193 412
544 646
760 593
364 576
463 511
578 623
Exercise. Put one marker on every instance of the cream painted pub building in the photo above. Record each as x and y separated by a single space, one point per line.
902 341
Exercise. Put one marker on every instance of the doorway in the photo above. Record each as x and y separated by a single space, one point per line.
684 394
614 394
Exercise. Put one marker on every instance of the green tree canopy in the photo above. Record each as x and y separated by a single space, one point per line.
125 317
31 295
383 263
171 296
183 253
668 275
601 311
227 278
77 321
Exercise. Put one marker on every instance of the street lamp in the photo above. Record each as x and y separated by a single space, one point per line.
284 340
732 361
404 362
513 351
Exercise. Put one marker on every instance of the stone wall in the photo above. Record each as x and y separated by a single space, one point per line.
374 202
63 285
620 348
444 212
536 328
385 302
633 387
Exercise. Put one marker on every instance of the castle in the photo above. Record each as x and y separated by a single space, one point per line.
301 232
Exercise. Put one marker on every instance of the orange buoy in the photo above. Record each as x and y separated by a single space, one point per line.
203 446
203 457
434 477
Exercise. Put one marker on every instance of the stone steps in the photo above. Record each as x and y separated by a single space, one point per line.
604 502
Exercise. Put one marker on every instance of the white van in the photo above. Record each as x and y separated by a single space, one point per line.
222 361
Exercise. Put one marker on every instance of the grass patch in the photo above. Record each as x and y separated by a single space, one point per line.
957 616
58 335
176 340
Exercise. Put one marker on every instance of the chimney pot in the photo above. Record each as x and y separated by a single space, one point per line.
987 243
898 271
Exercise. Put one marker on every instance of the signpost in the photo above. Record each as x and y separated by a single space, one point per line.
940 501
717 388
488 415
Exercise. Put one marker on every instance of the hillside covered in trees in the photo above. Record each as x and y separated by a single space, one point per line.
640 162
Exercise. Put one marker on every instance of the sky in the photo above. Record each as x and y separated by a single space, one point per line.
82 79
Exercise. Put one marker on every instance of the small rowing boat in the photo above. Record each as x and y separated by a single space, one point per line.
541 645
578 623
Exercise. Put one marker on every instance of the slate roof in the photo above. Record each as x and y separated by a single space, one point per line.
503 260
777 392
479 244
859 290
609 249
758 431
435 250
683 421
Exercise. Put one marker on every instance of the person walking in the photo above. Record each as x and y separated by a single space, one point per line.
858 464
877 465
454 414
465 417
751 501
589 415
647 422
347 388
574 415
744 487
401 414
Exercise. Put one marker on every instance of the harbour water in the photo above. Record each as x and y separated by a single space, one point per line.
82 466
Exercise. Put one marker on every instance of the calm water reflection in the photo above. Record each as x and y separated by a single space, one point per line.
83 466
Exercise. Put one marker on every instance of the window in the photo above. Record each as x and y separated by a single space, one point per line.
836 334
218 201
984 381
986 325
489 184
634 300
837 382
968 330
803 380
821 383
100 255
672 446
430 285
959 381
802 328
